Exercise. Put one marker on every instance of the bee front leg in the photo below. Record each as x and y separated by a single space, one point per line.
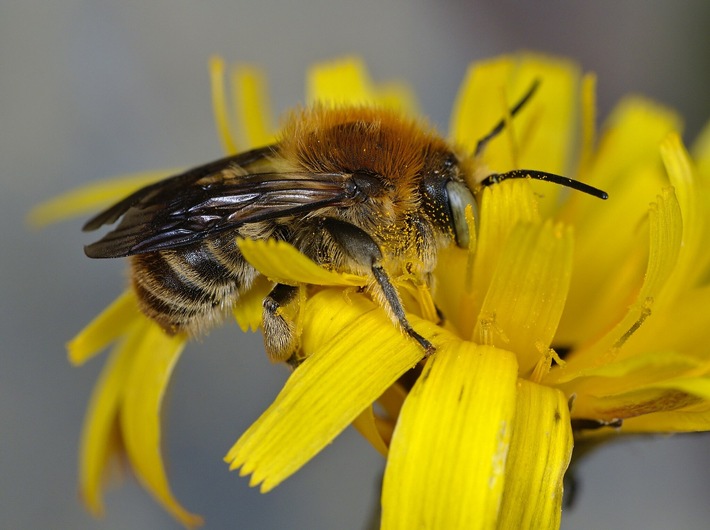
360 247
280 338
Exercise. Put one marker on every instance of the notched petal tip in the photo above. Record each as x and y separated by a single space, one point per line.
347 371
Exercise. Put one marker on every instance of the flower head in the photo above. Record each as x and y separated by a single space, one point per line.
565 320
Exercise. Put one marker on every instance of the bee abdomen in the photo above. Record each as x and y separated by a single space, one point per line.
191 289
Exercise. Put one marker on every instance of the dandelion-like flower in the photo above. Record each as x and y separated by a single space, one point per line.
566 321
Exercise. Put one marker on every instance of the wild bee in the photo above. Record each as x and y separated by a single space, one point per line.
356 189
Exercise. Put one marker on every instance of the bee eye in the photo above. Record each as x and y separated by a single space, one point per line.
459 197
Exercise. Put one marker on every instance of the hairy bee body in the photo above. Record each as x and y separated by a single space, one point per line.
190 289
356 189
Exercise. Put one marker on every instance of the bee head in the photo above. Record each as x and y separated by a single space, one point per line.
445 197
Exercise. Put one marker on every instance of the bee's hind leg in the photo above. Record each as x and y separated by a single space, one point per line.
280 338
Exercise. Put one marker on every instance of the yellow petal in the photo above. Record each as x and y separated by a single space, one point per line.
631 138
640 369
478 106
611 268
100 428
366 425
248 311
112 323
502 207
357 355
87 199
346 81
687 318
219 106
660 397
282 263
527 292
540 452
697 419
666 227
253 106
693 258
398 96
153 360
542 132
342 81
447 461
610 258
378 428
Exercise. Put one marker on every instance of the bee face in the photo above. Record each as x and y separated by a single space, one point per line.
360 190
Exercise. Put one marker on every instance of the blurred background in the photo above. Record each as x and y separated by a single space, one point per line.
91 89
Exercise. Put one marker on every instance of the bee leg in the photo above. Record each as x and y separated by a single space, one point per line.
359 246
280 338
440 315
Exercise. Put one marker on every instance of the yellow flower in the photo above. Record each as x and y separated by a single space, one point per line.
567 320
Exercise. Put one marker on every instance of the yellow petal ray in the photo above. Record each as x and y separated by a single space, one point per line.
666 231
630 138
282 263
610 257
686 318
533 486
447 461
378 427
550 128
112 323
154 358
697 419
100 423
220 108
451 295
253 105
527 292
665 239
693 258
452 287
663 396
502 207
398 96
640 369
248 310
366 425
346 81
628 149
626 166
546 127
91 197
477 108
342 81
357 355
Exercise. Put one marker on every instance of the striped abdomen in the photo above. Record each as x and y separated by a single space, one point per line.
191 289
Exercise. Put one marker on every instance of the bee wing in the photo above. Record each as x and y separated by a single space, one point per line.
162 190
198 204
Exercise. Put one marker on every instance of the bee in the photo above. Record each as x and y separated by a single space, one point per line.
356 189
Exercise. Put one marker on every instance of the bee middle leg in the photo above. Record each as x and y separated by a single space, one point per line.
359 246
280 338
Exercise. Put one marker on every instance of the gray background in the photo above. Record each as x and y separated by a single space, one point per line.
95 89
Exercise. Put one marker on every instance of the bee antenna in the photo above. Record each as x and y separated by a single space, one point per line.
495 178
481 145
